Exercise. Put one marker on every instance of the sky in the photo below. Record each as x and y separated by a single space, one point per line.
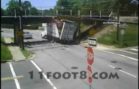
40 4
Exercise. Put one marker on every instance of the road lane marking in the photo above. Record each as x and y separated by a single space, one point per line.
134 49
48 80
112 66
122 55
128 73
11 78
14 75
123 71
127 52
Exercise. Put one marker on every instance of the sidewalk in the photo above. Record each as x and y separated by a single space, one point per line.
15 51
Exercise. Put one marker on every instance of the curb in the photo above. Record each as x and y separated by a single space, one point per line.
7 61
31 57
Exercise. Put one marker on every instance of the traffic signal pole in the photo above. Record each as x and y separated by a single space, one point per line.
21 27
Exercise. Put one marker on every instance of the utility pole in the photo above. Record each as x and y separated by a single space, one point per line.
21 27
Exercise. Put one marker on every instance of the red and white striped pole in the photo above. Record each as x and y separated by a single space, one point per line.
90 61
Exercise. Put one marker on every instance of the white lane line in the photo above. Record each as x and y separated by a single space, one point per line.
128 73
123 71
48 80
111 66
127 52
134 49
14 75
135 59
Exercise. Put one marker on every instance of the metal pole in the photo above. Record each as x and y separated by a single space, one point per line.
90 13
21 27
118 29
15 39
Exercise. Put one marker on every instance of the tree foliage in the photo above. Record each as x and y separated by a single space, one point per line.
106 6
64 7
2 12
33 11
27 5
13 8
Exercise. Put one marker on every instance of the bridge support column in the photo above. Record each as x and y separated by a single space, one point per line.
100 13
71 12
79 13
90 13
56 12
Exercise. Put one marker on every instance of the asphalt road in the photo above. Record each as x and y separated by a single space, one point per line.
36 34
56 57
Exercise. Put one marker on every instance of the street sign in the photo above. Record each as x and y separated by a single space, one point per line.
92 41
19 33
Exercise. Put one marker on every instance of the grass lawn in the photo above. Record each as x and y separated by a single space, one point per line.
2 40
26 53
5 53
130 37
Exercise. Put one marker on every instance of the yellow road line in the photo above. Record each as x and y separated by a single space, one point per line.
11 78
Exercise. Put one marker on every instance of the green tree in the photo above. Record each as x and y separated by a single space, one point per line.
13 6
34 11
125 7
2 11
26 6
63 6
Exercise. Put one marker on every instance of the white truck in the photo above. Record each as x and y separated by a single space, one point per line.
67 33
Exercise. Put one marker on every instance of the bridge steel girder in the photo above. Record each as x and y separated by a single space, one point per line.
47 19
25 19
